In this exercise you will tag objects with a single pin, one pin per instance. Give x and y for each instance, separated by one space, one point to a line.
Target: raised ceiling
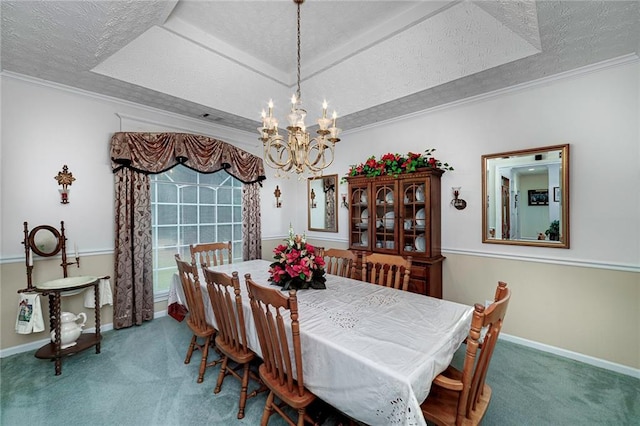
372 60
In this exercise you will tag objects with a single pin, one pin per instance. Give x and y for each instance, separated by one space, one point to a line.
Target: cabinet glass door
414 229
360 217
386 216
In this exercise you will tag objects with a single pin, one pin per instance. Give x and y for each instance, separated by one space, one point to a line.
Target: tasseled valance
158 152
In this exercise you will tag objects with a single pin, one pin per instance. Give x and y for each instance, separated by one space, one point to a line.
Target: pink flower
277 273
295 263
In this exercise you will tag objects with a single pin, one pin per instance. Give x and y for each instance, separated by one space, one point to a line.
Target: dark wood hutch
400 215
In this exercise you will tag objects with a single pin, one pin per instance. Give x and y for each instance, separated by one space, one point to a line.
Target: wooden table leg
97 313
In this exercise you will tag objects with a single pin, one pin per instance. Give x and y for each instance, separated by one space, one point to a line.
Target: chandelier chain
298 88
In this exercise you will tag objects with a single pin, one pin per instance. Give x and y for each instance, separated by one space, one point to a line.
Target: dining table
370 351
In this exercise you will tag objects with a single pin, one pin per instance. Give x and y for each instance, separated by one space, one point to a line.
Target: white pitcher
70 330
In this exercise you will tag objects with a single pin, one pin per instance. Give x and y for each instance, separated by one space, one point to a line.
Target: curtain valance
153 153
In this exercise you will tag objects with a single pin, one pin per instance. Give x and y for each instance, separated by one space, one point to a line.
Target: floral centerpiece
396 164
296 266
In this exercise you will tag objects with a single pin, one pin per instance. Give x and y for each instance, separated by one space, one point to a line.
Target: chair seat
199 331
441 406
237 356
281 391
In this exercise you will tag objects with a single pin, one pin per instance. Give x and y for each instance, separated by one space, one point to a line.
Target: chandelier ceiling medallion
298 152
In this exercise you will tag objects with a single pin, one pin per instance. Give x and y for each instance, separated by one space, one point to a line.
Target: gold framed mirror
526 195
322 201
45 240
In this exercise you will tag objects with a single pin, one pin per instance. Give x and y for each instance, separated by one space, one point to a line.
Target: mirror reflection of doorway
506 211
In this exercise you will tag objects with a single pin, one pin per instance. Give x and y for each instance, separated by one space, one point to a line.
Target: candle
293 103
30 257
75 249
335 115
270 108
324 109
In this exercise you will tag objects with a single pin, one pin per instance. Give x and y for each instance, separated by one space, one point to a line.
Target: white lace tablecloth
370 351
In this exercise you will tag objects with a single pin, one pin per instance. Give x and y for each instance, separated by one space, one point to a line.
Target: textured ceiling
372 60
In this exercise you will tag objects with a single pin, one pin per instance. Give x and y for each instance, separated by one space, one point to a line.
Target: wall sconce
458 203
313 199
65 179
278 194
344 201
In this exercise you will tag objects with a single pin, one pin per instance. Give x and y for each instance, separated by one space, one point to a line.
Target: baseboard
596 362
34 346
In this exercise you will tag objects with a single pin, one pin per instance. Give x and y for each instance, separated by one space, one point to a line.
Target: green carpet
140 379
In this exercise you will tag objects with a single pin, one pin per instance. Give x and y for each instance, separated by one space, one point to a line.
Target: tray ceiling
371 60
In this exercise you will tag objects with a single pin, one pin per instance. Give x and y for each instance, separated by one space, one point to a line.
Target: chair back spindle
387 270
340 262
211 254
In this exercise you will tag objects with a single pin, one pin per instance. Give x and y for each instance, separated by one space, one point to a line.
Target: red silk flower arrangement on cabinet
396 164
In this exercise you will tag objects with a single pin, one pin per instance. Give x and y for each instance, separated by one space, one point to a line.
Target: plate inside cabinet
364 216
420 219
389 219
389 197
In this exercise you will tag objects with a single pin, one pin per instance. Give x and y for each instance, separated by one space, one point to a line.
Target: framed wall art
538 197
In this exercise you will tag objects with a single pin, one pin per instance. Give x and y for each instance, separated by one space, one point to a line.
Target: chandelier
296 150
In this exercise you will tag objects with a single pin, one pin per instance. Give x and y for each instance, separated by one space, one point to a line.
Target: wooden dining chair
281 352
231 339
462 397
387 269
211 254
340 262
196 320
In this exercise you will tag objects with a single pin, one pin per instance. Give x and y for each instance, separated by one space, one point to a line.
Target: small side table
53 350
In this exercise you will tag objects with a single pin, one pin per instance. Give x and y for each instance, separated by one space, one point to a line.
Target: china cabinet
400 215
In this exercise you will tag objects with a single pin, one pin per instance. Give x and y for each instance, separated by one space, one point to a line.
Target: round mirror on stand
45 240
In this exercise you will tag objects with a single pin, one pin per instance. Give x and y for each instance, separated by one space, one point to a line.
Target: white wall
46 126
595 112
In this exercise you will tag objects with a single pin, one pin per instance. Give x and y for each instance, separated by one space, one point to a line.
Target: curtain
136 155
133 284
251 229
